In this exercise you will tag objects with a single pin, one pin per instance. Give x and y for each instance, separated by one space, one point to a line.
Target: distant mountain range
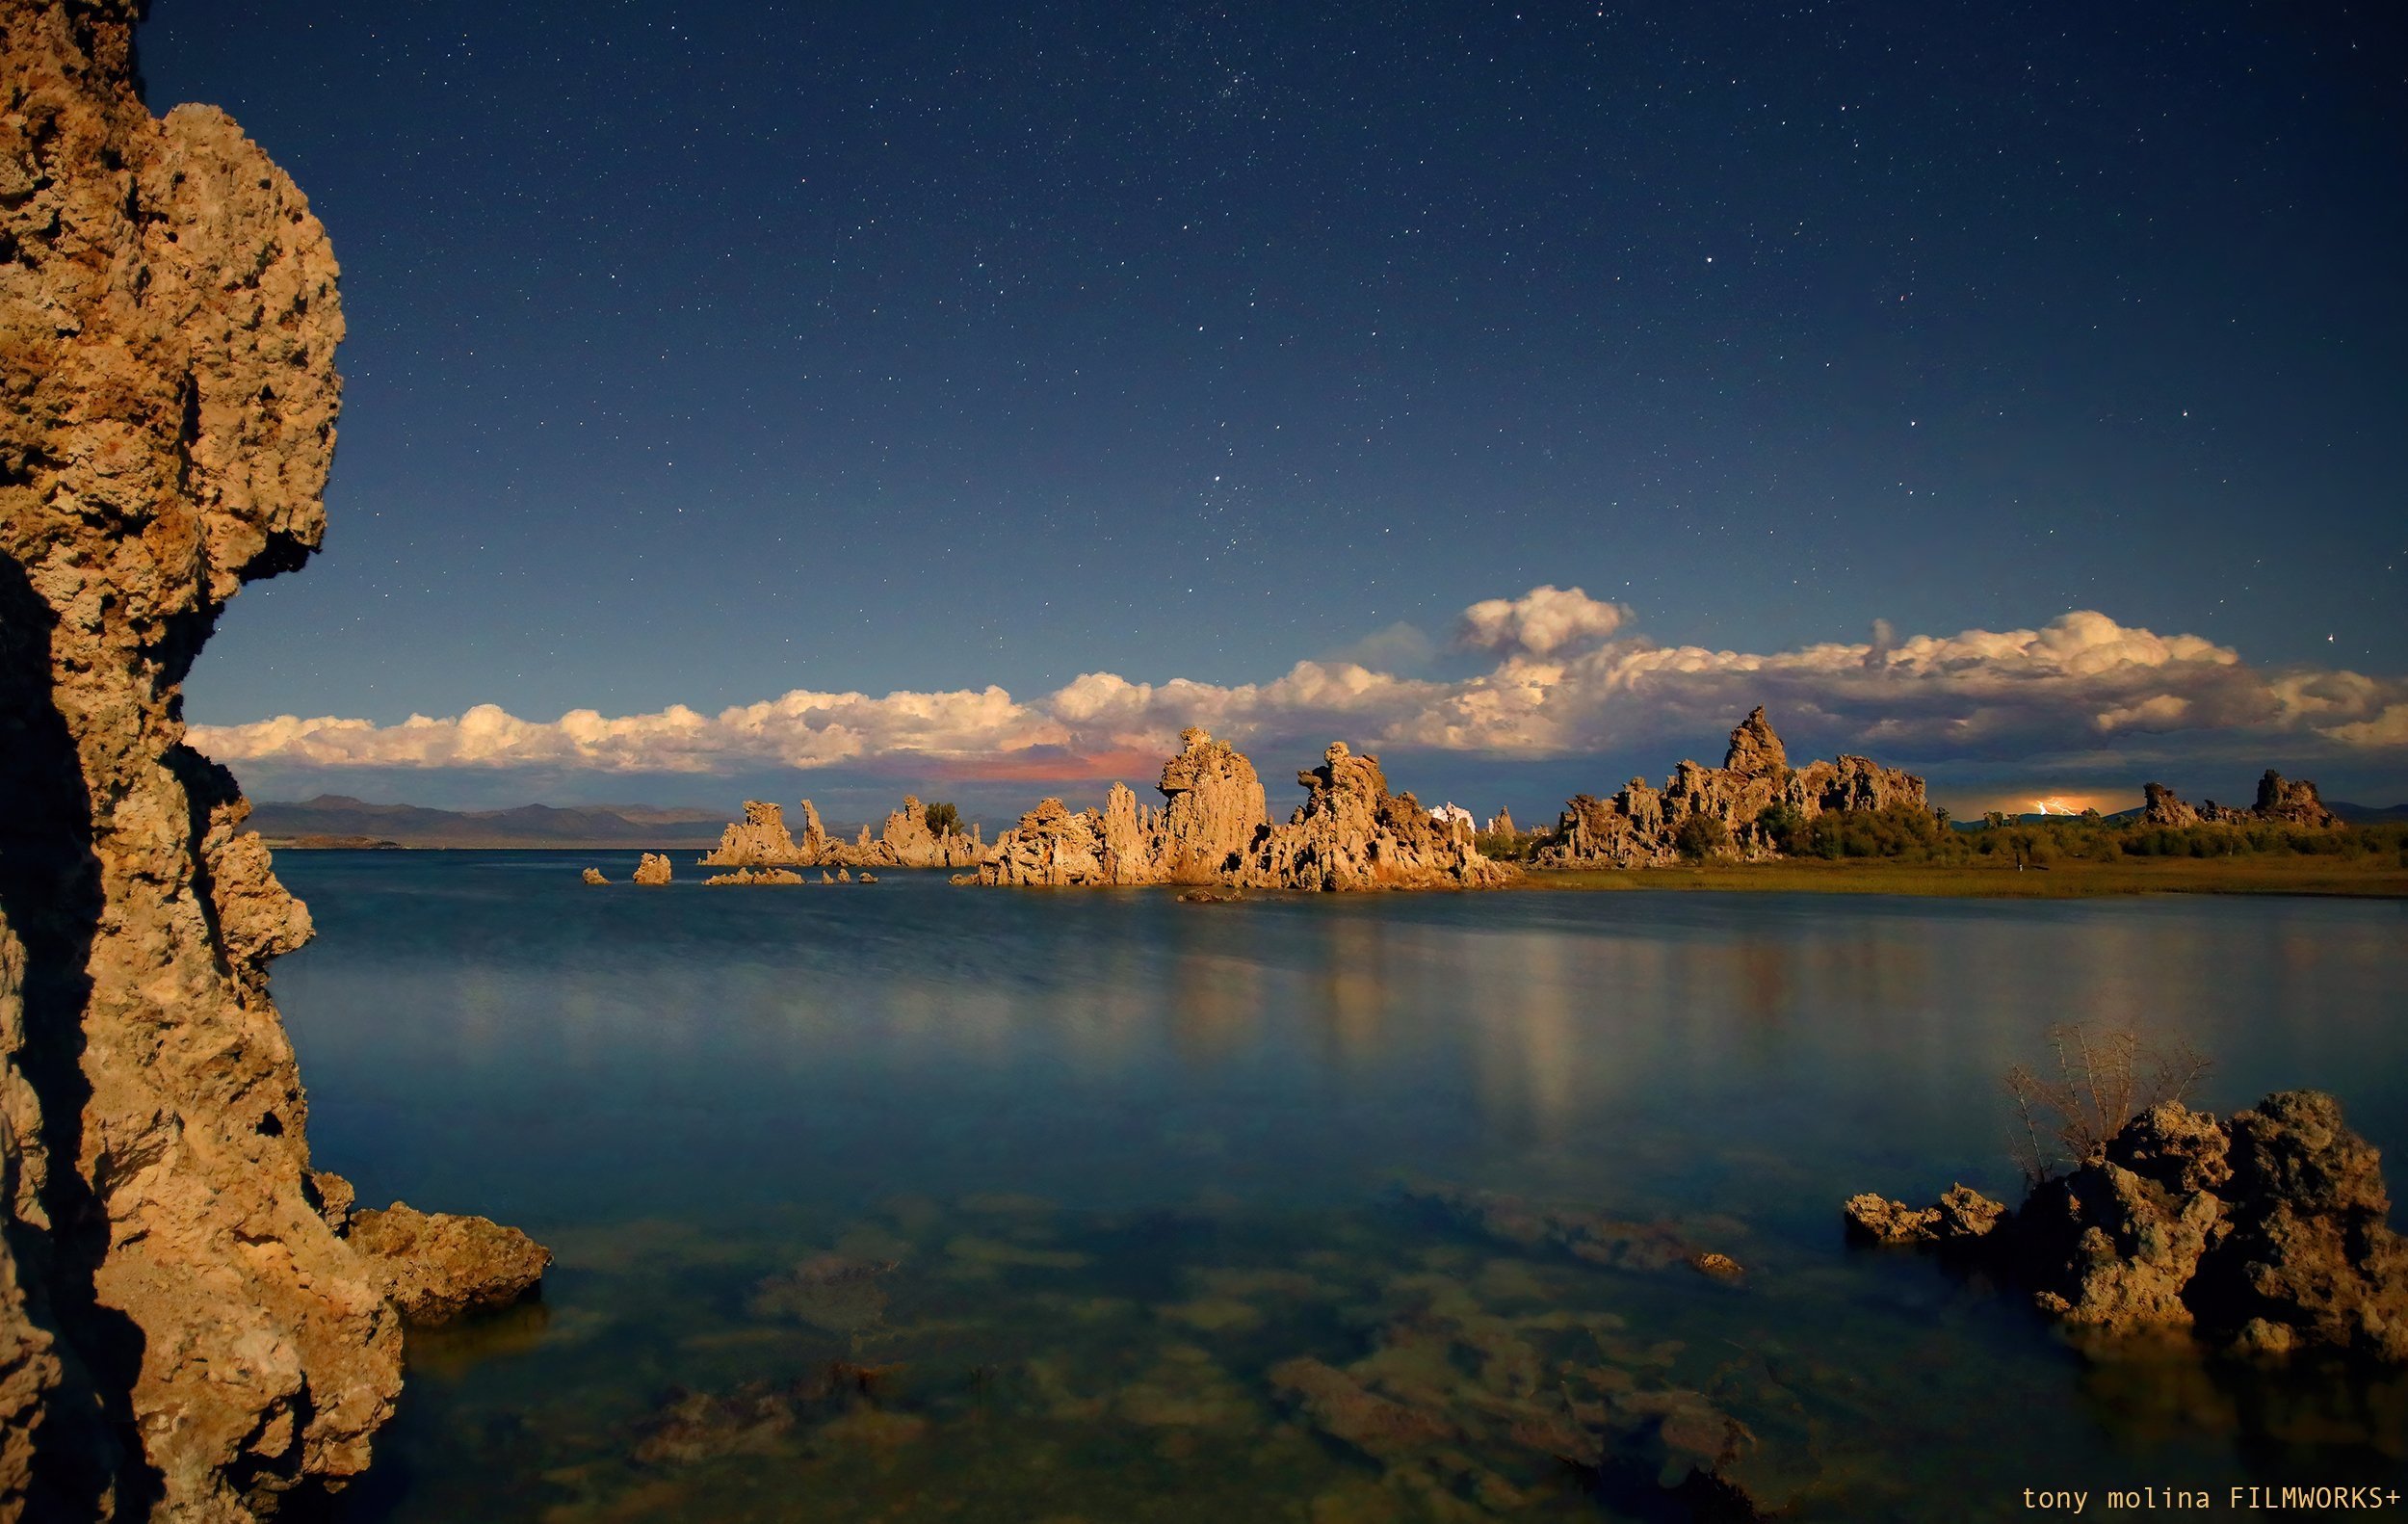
332 819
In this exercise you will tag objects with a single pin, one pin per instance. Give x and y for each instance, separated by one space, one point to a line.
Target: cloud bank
1563 674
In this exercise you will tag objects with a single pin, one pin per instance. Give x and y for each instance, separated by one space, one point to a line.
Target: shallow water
1130 1160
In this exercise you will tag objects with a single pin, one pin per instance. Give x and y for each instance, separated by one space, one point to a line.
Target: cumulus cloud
1568 677
1540 623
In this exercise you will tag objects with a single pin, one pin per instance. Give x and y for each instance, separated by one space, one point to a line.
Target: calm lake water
1130 1161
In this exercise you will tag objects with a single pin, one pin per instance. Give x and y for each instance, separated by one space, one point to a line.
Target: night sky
703 352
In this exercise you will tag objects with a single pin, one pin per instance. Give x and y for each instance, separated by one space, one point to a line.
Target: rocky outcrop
2164 807
1052 848
905 841
1501 824
182 1333
1352 833
761 840
594 876
434 1266
1212 810
2281 801
652 868
2265 1234
1639 826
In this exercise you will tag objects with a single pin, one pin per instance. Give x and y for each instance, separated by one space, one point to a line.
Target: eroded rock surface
2280 801
652 868
436 1266
1640 826
2267 1233
182 1333
1211 809
1352 833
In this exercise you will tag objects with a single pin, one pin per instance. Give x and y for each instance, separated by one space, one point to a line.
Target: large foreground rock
182 1333
2267 1234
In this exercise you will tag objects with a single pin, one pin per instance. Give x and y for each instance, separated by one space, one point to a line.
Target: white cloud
1563 683
1541 621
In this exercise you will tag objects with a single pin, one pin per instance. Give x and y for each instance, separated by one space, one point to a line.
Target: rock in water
1350 833
761 840
594 876
2268 1234
1213 805
652 868
181 1330
436 1266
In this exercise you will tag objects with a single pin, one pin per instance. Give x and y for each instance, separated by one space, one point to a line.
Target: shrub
1782 825
1701 836
2102 1080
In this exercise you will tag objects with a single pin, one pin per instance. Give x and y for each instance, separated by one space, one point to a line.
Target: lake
910 1201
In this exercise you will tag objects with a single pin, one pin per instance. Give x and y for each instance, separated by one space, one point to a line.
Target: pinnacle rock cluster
1639 826
2281 801
1214 829
183 1331
762 840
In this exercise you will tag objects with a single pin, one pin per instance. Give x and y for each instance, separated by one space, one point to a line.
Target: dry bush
2100 1080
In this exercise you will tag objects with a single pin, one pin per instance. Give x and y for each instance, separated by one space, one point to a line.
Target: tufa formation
2263 1235
2281 801
762 840
1639 826
183 1331
1213 828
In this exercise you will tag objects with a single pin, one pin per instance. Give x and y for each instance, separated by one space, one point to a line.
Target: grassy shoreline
2379 878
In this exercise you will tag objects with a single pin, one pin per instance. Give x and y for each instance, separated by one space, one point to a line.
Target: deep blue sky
702 351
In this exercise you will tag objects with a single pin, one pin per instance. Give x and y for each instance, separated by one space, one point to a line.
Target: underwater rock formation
2281 801
1352 833
2265 1234
181 1332
1640 826
652 868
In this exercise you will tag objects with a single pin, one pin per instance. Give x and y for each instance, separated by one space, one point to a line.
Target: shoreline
2065 879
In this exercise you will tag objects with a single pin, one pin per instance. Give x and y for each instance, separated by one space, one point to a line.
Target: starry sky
704 353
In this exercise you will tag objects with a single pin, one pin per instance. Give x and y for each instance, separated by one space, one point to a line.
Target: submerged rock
830 1292
754 876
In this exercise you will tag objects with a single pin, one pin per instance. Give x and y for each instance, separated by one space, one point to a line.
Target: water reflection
688 1093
